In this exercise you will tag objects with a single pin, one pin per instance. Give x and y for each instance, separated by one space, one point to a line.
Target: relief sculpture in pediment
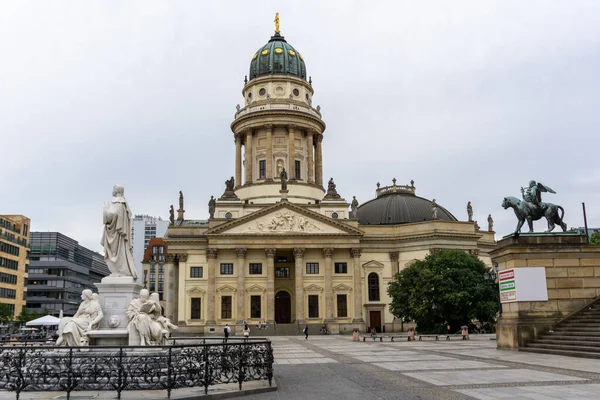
285 221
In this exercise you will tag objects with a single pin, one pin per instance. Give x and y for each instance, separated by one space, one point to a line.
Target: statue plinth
180 214
114 294
284 194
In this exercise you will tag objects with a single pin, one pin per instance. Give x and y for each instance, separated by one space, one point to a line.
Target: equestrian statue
531 208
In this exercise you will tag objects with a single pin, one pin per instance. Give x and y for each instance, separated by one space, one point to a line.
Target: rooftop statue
470 211
531 208
284 178
212 204
354 207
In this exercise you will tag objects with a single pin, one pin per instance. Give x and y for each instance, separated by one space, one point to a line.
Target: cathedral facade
282 246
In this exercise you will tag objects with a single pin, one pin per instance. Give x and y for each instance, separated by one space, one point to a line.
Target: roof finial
277 23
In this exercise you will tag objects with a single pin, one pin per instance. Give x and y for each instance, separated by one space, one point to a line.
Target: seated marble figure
146 320
73 331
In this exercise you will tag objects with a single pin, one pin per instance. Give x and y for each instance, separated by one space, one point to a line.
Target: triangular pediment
342 287
196 290
226 289
256 289
284 219
373 264
313 288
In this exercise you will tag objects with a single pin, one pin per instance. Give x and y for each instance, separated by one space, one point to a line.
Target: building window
342 306
312 268
335 215
153 268
154 249
228 215
282 272
161 277
373 282
161 250
161 268
161 287
161 258
297 168
152 277
227 269
255 307
262 169
195 308
313 306
255 269
152 286
196 272
341 268
226 307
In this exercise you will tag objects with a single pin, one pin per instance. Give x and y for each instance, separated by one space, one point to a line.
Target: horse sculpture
530 212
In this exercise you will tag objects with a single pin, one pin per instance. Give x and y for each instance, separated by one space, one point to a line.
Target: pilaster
291 153
248 157
269 163
319 161
238 160
310 148
394 257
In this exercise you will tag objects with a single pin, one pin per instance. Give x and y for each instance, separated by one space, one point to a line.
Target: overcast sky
471 99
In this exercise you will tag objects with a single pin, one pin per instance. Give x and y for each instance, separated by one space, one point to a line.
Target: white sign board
523 284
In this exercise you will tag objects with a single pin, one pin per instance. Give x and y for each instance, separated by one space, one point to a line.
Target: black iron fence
202 362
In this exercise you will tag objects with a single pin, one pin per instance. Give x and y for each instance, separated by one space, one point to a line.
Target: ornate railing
119 368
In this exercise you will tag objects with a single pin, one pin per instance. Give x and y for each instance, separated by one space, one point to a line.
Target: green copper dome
277 57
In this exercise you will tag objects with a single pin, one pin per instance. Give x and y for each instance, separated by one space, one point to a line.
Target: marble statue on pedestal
73 331
146 322
116 238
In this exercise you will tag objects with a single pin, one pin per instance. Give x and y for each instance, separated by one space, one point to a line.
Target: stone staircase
578 335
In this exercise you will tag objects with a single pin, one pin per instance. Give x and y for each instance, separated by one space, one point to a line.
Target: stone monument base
114 295
572 279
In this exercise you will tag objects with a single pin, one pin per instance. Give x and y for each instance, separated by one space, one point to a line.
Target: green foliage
27 316
595 238
5 314
447 287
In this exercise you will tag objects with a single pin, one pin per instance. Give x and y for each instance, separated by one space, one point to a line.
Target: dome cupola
277 57
398 204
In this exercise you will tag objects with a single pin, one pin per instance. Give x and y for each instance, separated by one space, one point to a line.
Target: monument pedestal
114 295
572 280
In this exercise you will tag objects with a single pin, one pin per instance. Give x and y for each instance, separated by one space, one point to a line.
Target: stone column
241 287
269 152
171 292
211 255
248 157
291 153
319 161
358 303
299 272
394 257
238 160
328 254
310 147
270 253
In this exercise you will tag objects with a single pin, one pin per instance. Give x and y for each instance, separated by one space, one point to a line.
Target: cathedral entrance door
375 320
283 308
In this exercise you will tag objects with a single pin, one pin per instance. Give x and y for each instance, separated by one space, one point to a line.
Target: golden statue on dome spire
277 23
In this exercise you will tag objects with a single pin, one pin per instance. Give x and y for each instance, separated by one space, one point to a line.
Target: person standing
305 331
226 331
246 331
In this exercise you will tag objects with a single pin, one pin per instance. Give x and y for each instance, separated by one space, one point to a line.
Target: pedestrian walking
226 331
464 330
305 331
246 331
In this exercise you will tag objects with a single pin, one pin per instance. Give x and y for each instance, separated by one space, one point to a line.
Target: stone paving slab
428 365
562 392
483 377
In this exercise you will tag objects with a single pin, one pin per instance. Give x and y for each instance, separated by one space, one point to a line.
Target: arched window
373 282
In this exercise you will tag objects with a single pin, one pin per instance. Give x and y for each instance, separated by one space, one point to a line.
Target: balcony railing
277 105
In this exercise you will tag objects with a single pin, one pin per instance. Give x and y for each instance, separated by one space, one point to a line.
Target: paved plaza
335 367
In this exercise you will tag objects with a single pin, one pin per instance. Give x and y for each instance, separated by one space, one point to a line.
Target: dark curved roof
277 57
399 208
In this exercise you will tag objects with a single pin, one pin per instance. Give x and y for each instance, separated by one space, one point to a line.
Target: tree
5 313
447 287
595 238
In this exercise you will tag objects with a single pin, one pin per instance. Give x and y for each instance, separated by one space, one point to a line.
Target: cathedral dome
277 57
399 205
